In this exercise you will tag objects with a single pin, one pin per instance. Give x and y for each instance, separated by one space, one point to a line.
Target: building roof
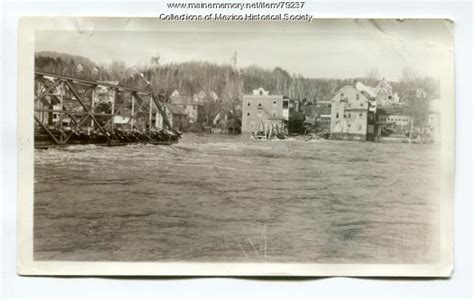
174 109
183 100
260 92
350 87
367 89
372 91
383 83
263 96
181 103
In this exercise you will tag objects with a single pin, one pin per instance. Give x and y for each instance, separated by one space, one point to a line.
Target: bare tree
409 75
410 84
117 70
373 74
372 77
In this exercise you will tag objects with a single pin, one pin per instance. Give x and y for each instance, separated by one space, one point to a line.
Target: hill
69 65
228 82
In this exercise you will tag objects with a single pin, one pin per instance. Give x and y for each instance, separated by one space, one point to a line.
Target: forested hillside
230 82
193 77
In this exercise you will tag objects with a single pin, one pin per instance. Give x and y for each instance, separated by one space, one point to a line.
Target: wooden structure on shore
75 111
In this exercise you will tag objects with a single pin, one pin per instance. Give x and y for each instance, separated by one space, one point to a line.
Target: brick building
261 109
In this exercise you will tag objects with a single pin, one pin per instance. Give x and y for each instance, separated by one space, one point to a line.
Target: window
360 127
260 105
349 125
357 96
362 105
349 115
274 102
248 114
342 94
259 113
360 115
337 115
274 114
248 104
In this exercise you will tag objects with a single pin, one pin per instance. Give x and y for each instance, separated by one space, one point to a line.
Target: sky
325 48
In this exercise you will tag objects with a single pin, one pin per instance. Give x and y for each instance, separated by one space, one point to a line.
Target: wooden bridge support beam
91 115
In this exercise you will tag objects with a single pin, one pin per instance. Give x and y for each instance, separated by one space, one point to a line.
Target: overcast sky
322 49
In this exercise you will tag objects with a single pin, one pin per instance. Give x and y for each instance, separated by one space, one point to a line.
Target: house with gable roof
193 109
352 115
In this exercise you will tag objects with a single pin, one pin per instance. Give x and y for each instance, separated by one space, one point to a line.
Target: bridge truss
75 111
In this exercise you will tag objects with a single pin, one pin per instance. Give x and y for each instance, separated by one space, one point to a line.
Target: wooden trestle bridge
75 111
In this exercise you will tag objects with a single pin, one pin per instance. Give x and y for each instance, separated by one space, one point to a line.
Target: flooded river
215 198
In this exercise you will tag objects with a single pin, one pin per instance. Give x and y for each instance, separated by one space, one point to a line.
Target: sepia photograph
322 148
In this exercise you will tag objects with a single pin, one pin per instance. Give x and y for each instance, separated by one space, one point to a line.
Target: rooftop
174 109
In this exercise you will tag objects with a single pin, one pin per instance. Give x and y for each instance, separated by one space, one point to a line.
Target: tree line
229 83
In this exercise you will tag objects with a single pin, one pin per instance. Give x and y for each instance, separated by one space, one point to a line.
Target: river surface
214 198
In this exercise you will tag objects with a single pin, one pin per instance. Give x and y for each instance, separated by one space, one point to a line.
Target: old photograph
236 148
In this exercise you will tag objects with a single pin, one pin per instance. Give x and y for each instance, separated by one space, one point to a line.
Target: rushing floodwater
224 198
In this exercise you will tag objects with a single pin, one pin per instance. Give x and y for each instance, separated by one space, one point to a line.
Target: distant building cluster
356 112
184 111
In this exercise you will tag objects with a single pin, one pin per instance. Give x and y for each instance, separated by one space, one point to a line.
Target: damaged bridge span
70 111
